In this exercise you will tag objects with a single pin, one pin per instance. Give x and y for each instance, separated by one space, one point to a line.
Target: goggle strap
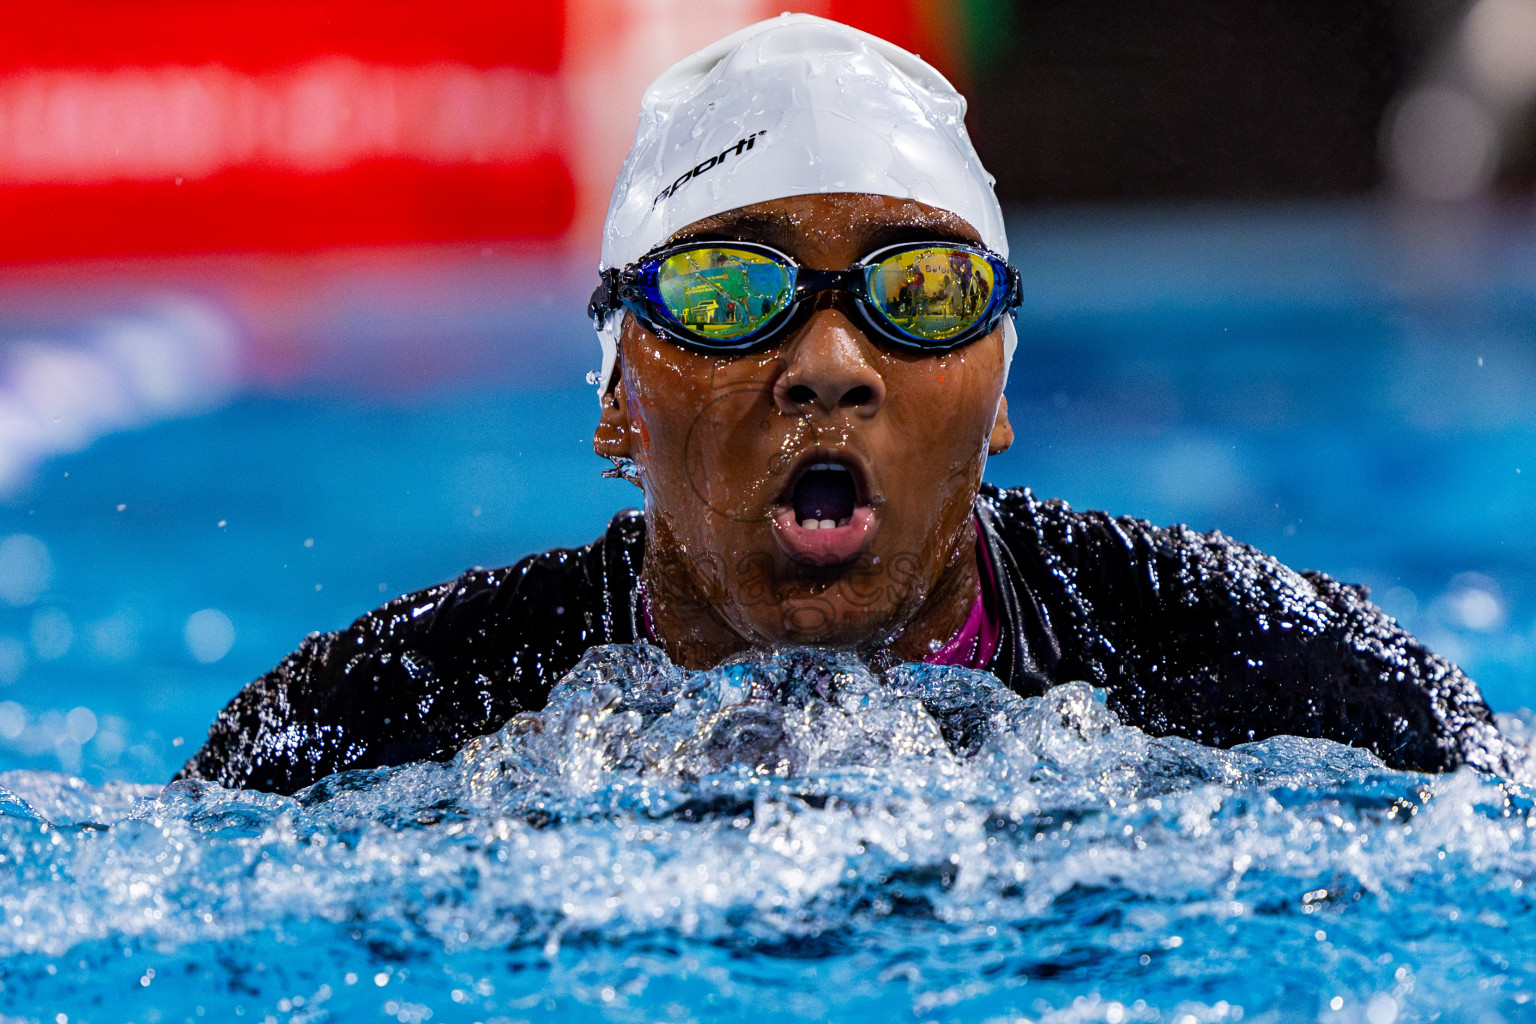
606 298
1015 296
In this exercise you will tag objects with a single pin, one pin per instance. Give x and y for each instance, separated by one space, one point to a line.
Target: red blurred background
171 127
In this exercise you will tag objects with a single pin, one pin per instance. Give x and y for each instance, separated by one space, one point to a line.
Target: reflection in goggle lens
932 293
723 293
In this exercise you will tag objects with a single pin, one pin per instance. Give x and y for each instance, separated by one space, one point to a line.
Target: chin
851 606
812 625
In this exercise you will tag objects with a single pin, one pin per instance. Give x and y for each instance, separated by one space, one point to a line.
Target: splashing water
786 834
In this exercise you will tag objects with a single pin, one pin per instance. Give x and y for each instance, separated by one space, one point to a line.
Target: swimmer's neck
696 635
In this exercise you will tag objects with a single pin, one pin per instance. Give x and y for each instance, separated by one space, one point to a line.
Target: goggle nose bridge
811 284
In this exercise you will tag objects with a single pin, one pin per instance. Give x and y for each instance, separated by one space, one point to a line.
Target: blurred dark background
1130 99
1078 101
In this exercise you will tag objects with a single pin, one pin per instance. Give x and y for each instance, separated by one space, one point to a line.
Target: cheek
945 409
705 431
643 438
659 392
970 383
733 454
941 416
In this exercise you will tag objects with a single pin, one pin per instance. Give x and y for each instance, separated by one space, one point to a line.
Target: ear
611 439
1002 431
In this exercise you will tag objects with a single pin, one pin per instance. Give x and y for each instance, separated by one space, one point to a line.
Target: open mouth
824 497
825 516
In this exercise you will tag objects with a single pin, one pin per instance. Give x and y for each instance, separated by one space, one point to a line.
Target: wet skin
720 441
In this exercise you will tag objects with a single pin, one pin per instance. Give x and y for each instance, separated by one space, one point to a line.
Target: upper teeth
829 465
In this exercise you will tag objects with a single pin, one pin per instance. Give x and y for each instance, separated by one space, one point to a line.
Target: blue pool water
1349 387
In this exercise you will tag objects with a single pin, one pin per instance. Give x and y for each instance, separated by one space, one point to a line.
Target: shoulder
1203 636
420 675
543 577
1019 510
491 641
1020 515
1094 543
1049 538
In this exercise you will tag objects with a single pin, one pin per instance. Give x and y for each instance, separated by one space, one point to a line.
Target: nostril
861 395
802 394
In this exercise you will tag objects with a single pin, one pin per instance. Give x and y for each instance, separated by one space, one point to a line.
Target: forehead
854 221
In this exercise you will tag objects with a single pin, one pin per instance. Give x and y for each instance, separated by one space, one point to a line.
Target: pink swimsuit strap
974 644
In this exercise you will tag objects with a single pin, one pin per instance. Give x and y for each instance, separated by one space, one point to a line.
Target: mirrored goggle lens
722 293
934 293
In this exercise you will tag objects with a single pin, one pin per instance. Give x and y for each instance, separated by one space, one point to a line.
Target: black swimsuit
1193 634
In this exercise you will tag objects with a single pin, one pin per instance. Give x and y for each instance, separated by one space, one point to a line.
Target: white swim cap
795 105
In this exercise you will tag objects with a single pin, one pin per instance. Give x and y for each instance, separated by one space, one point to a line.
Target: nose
827 368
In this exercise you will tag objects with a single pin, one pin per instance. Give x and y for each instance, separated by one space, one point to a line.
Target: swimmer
805 311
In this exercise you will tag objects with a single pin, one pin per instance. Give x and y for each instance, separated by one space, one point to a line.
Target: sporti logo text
741 147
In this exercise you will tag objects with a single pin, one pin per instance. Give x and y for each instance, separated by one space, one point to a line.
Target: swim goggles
737 296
